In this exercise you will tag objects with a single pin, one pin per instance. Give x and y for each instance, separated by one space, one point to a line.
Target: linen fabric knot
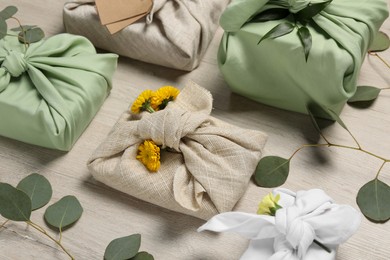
341 34
304 216
206 170
50 91
175 34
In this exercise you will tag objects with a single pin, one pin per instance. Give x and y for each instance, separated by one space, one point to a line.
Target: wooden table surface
109 214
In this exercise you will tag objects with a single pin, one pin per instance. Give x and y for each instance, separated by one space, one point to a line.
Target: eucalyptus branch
379 57
383 164
2 225
22 30
305 146
339 146
43 231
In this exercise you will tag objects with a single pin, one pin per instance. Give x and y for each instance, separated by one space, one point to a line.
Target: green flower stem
43 231
150 109
2 225
379 57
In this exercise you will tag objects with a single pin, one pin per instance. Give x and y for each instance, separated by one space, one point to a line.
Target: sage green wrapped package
275 71
50 92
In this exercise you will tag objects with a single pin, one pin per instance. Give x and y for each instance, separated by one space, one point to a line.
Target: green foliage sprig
373 198
301 19
32 193
365 95
27 33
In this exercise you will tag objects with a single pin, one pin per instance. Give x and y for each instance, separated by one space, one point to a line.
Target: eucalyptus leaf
14 204
271 15
277 31
272 171
143 256
337 119
64 212
314 120
306 40
32 35
123 248
38 188
310 11
381 42
23 27
365 93
8 12
3 28
373 200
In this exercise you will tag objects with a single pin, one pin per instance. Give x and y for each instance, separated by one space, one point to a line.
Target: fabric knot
296 234
14 63
169 126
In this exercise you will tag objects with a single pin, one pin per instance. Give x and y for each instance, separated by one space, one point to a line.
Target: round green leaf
31 35
306 41
64 212
8 12
272 171
278 31
381 42
14 204
374 200
38 188
365 93
123 248
143 256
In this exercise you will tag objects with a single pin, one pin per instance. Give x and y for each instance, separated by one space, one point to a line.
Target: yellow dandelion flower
269 205
149 155
146 101
164 95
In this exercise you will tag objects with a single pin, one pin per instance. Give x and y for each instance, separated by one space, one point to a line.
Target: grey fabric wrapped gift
175 33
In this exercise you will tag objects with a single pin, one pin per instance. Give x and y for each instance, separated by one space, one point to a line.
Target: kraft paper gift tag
118 14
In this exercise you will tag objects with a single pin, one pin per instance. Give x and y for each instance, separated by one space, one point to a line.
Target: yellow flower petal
149 155
164 95
144 102
268 203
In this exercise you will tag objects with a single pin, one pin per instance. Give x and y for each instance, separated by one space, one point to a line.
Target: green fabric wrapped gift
50 92
275 72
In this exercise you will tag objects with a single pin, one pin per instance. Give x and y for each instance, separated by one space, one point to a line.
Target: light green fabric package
275 71
50 92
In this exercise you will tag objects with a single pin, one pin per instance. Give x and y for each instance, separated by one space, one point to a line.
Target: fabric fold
53 89
305 216
206 168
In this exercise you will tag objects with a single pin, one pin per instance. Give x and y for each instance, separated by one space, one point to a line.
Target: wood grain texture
109 214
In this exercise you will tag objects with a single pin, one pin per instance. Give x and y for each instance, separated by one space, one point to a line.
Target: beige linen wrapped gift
206 169
176 33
